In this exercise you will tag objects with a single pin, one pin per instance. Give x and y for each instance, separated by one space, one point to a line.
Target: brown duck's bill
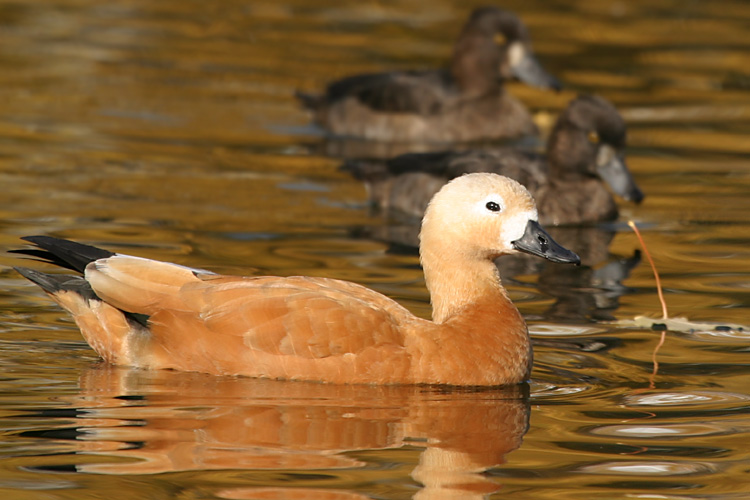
536 241
615 172
528 70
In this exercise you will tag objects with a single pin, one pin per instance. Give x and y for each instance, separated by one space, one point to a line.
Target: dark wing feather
398 92
438 164
55 283
63 253
529 169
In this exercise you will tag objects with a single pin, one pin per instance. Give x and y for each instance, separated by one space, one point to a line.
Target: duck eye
593 137
500 39
492 206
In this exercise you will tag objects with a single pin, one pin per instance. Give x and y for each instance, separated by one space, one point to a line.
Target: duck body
151 314
585 151
464 102
438 113
300 328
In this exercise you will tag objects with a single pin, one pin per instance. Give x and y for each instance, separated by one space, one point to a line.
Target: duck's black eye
492 206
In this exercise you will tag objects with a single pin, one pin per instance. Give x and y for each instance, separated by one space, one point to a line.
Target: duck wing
530 169
312 317
421 92
292 328
408 182
300 316
152 314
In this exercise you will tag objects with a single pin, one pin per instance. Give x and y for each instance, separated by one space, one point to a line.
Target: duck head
470 221
482 216
589 139
496 44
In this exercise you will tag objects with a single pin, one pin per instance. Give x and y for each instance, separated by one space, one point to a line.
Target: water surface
168 129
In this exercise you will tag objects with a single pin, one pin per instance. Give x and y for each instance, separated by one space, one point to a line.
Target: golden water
168 130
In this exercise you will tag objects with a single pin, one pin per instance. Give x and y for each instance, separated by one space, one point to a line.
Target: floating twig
673 324
665 315
653 268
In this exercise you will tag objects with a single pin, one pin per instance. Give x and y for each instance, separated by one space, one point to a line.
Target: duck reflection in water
464 102
192 422
585 159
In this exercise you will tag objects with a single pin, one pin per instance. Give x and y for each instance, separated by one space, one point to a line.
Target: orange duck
151 314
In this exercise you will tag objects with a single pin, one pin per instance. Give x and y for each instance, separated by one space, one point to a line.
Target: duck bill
612 169
525 67
536 241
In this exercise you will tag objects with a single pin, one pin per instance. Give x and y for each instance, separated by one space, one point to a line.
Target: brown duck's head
589 139
495 42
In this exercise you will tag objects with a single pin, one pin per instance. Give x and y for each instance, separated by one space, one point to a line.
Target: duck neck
475 63
567 153
456 281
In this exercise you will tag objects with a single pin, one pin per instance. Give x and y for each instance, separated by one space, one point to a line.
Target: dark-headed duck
464 102
584 151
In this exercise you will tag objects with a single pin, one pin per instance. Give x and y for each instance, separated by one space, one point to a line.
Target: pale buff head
478 214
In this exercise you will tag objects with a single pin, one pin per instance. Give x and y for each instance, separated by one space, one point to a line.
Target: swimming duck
463 102
584 151
151 314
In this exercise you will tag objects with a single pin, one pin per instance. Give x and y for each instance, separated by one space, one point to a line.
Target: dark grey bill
536 241
615 172
530 71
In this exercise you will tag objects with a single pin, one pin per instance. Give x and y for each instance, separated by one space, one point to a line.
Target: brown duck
464 102
585 151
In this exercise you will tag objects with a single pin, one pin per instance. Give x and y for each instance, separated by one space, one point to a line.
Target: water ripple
541 389
562 330
721 335
623 468
661 431
685 398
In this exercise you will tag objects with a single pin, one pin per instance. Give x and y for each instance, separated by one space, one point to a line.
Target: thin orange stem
653 268
652 384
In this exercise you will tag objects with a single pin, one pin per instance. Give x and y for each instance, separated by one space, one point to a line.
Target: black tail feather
53 283
43 256
63 253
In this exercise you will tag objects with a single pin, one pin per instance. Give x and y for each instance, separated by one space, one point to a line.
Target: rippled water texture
169 129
